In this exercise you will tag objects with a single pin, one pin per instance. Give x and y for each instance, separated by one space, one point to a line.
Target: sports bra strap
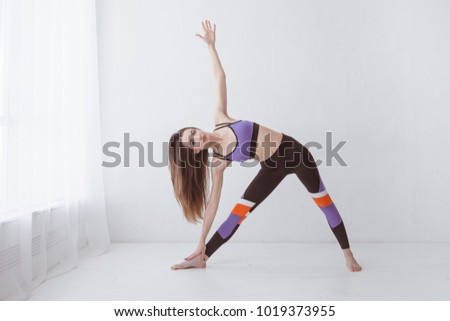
219 156
221 126
222 123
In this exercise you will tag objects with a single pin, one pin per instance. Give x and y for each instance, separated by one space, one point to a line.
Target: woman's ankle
347 252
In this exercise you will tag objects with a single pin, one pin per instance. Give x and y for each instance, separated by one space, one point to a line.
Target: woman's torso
267 140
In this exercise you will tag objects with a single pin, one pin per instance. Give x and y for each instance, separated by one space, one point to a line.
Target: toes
353 267
356 268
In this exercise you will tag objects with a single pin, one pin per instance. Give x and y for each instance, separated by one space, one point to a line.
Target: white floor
255 271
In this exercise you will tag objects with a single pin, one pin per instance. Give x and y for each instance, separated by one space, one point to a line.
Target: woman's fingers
208 30
207 26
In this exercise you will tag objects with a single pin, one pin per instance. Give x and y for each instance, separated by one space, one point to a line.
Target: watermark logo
290 152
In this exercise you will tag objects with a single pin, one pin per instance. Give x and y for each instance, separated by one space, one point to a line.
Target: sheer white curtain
52 209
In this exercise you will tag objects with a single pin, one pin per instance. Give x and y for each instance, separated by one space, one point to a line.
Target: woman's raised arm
219 74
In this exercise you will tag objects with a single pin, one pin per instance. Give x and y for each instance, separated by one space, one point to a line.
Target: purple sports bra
246 133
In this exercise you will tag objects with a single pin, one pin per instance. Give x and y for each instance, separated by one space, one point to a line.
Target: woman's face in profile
194 138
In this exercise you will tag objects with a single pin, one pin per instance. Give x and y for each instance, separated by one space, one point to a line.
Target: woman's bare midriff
268 142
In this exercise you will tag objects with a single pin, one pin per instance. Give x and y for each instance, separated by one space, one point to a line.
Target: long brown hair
190 177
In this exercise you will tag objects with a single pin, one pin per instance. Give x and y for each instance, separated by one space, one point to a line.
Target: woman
278 154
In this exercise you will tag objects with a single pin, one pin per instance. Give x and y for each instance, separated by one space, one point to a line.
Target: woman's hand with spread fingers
210 33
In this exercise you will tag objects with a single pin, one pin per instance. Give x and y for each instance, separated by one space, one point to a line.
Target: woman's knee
310 178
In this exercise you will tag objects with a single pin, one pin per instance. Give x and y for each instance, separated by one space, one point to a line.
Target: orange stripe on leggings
240 209
323 201
243 218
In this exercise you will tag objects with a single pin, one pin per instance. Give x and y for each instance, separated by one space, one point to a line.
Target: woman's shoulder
223 118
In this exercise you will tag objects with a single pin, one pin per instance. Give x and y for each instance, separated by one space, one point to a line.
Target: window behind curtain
43 150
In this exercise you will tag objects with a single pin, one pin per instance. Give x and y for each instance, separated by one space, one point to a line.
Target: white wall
375 73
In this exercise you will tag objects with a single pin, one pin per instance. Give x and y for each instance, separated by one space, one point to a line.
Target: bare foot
196 262
351 263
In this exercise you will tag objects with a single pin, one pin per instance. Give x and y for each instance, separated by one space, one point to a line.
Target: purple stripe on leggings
321 186
332 214
228 226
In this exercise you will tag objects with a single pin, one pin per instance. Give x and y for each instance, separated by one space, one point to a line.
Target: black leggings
291 157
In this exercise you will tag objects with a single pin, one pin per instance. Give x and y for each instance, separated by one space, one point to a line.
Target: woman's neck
214 140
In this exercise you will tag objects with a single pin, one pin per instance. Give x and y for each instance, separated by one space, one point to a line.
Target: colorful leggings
291 157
